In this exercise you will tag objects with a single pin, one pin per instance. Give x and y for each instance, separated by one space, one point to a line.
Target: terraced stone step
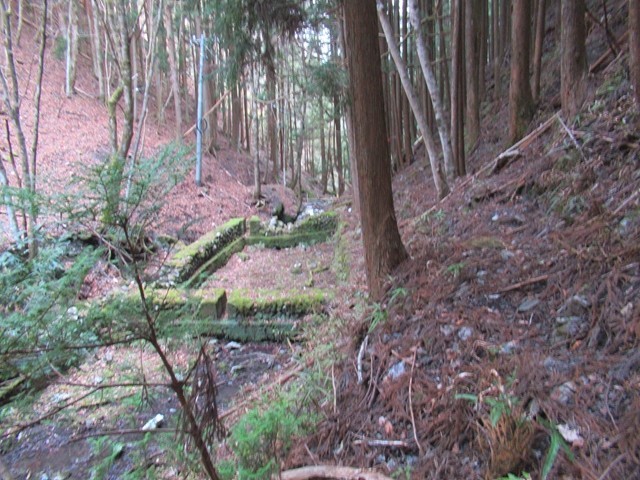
242 315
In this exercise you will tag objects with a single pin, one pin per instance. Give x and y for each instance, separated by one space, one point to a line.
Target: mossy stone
186 261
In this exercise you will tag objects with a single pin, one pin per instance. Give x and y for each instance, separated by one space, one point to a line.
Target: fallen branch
518 146
375 442
216 105
413 418
595 66
330 471
571 136
531 281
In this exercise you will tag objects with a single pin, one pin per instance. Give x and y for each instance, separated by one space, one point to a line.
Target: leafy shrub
41 328
263 437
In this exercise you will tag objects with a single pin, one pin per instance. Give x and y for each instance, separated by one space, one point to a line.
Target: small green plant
264 435
380 314
511 476
113 452
455 269
402 473
378 317
556 443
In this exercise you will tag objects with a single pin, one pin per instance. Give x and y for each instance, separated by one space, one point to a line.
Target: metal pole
199 116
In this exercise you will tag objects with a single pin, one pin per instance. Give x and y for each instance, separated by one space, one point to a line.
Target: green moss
289 240
212 305
257 331
255 226
340 264
326 221
189 259
216 262
266 304
312 230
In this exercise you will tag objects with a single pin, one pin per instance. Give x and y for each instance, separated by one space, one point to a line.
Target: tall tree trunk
520 101
323 151
472 21
338 133
497 48
425 63
457 87
573 64
634 47
93 21
439 177
383 246
272 122
72 49
173 68
236 118
537 52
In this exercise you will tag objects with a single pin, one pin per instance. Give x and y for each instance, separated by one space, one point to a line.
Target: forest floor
510 332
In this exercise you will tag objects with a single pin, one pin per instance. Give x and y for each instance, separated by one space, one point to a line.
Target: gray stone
447 330
569 326
465 333
509 347
154 423
506 254
564 393
396 371
528 304
233 346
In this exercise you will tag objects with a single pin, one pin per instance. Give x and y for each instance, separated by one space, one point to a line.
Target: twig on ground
531 281
333 385
627 201
571 136
611 465
413 418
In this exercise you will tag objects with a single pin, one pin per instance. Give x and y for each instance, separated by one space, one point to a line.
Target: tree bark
98 58
457 87
497 48
436 167
634 47
425 63
173 67
537 52
383 246
72 49
573 64
520 101
472 19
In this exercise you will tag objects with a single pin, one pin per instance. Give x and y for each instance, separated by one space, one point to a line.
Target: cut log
330 471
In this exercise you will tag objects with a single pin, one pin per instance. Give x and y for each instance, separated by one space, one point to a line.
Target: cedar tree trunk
381 239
